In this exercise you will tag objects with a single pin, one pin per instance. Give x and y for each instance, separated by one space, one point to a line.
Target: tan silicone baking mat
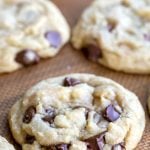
67 61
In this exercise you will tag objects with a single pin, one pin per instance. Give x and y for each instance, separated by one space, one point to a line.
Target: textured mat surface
67 61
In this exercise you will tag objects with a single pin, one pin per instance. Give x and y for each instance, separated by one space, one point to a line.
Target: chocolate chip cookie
77 112
116 34
29 31
4 145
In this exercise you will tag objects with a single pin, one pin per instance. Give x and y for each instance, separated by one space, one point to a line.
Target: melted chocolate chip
92 52
119 146
49 116
30 139
29 114
27 57
97 142
54 38
111 114
71 81
101 141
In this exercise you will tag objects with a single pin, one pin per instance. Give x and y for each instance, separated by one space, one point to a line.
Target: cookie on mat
4 145
77 112
29 30
116 33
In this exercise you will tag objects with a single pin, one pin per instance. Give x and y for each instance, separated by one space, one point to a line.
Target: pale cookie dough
4 145
77 112
116 33
30 30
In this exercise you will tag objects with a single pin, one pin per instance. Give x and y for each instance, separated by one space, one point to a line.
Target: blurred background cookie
29 31
116 34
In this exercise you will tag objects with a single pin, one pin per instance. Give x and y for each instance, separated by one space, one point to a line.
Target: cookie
30 31
116 34
77 112
4 145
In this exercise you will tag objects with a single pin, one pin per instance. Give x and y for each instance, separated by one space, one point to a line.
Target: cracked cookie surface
77 112
4 145
30 30
116 34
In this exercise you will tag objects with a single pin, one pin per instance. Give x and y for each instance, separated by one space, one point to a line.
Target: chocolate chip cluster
27 57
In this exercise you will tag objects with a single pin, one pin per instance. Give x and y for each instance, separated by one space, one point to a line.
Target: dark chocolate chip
92 52
54 38
97 142
101 141
119 146
30 139
29 114
71 81
112 24
147 37
27 57
111 27
49 116
111 114
86 115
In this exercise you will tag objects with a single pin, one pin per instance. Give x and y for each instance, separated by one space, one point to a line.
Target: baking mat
13 85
